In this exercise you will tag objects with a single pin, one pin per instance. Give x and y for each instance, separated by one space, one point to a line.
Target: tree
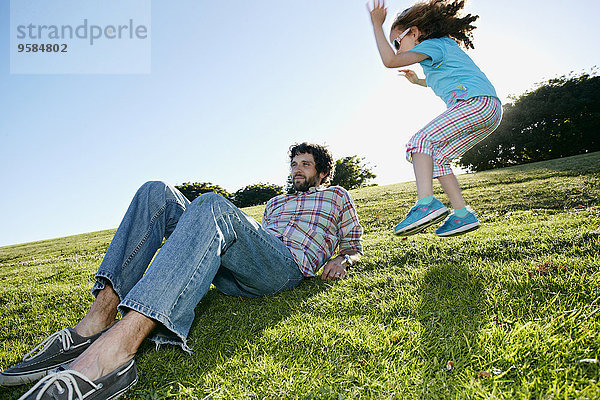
193 190
259 193
351 173
559 118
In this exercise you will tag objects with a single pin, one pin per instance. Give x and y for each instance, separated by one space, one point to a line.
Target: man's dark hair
323 159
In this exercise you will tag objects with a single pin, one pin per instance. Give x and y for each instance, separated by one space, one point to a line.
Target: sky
224 88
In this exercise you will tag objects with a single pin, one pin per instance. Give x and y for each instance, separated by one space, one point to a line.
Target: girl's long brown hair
439 18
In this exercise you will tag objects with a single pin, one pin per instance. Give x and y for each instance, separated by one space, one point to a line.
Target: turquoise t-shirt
451 73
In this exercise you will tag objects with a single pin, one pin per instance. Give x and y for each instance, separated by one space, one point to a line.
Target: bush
193 190
253 195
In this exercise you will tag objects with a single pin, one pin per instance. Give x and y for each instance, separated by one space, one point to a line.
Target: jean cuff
102 280
169 335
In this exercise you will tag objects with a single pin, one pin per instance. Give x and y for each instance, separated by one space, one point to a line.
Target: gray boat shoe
67 384
61 347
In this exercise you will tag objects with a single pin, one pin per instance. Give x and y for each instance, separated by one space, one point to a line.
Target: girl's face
407 42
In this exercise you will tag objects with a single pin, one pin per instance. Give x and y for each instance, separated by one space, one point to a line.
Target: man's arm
350 235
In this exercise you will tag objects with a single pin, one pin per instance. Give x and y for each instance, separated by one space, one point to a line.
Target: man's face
304 172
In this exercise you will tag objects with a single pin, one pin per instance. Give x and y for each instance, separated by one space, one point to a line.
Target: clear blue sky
232 85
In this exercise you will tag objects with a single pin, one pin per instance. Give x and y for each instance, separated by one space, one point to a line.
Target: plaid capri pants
455 131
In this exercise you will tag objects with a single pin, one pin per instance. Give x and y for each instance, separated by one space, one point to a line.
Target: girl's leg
423 168
455 131
428 209
431 149
452 188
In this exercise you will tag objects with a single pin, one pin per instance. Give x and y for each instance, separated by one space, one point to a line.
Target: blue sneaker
455 225
420 217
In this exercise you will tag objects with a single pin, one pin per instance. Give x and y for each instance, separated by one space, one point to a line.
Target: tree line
350 172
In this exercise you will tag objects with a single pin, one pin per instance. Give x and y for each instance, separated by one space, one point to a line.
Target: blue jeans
208 241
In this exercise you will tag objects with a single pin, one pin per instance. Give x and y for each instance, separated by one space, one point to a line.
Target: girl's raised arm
390 58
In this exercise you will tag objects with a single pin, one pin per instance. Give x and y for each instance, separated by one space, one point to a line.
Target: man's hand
334 269
378 12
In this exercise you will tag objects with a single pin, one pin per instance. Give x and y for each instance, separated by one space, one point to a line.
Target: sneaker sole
17 380
461 230
423 223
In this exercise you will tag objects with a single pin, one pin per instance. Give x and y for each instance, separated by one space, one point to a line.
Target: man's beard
306 184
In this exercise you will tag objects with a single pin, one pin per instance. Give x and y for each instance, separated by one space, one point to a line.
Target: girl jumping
429 33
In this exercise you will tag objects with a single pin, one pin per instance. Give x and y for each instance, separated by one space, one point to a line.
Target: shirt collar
312 189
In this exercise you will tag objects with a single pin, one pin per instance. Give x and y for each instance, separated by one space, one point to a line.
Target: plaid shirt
312 224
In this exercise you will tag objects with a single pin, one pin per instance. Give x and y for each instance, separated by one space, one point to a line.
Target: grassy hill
509 311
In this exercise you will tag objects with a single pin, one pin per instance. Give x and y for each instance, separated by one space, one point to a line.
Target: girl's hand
412 77
378 12
390 58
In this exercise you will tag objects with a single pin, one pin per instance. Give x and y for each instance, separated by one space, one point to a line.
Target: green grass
390 330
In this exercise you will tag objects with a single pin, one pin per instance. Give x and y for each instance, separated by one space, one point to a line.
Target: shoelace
67 378
64 336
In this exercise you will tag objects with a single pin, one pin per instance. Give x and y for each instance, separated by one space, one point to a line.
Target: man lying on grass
209 241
